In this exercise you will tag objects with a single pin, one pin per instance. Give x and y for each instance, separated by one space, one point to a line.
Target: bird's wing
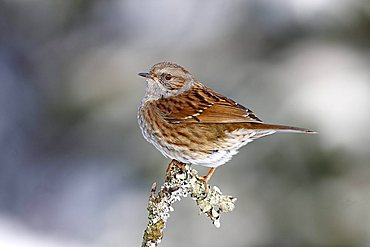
203 105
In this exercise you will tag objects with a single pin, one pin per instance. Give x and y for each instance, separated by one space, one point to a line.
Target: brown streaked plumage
189 122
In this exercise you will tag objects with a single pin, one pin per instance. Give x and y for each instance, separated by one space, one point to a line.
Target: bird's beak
146 75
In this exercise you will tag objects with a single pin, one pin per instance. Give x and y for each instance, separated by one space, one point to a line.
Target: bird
190 123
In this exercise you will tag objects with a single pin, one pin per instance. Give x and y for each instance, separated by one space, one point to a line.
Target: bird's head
166 80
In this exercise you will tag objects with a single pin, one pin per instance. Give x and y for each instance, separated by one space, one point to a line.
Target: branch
182 183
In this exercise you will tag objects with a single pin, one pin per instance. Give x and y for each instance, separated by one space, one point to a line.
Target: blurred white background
76 171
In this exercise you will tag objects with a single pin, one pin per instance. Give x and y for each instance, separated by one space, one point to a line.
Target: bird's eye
167 77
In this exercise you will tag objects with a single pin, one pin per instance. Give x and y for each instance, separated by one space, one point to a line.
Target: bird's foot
206 178
176 163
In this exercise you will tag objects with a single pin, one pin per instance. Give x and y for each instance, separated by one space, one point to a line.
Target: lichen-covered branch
182 182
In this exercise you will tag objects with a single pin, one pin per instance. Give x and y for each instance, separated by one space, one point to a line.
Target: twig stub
182 182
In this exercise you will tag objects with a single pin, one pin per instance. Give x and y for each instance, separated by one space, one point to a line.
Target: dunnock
192 124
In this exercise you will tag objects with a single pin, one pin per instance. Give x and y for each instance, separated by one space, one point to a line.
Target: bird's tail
280 128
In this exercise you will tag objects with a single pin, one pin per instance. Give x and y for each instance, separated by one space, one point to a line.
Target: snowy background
76 171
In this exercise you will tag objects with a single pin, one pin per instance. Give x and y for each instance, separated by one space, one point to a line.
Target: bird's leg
207 177
176 163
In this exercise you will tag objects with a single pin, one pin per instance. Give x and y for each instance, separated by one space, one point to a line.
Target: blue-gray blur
76 171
